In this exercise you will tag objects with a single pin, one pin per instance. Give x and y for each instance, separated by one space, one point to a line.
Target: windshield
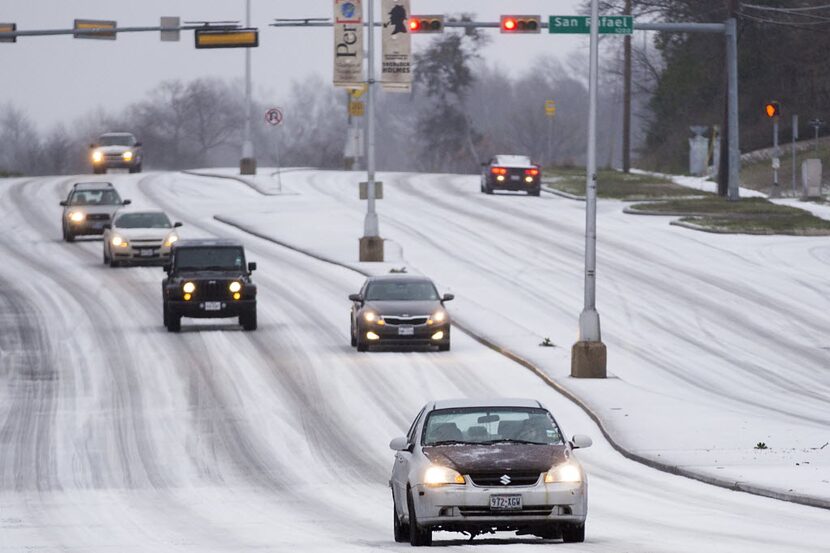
117 140
210 258
414 290
95 197
143 220
491 425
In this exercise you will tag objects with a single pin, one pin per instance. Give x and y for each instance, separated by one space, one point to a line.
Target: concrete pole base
247 166
588 360
371 248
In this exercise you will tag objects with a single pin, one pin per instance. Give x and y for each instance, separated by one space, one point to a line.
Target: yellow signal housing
227 38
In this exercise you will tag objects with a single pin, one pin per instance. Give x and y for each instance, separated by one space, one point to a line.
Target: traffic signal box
426 23
521 24
227 38
772 109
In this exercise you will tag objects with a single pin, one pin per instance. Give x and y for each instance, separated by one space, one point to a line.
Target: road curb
516 358
247 182
555 192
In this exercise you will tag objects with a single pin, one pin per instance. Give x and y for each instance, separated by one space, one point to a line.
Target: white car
139 237
480 466
116 150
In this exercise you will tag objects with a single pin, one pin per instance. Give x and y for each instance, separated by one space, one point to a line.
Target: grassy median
747 216
616 185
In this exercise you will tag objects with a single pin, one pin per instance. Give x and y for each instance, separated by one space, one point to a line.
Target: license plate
505 503
406 331
146 253
514 177
213 305
97 226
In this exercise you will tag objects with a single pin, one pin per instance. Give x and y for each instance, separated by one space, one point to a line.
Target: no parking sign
274 116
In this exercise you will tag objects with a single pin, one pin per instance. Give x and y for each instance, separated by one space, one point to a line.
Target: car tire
174 321
138 168
534 192
444 347
573 533
361 345
351 333
487 189
165 317
418 536
400 529
248 320
114 263
106 259
67 235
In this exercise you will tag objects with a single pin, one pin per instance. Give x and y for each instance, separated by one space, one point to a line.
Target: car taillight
498 171
532 172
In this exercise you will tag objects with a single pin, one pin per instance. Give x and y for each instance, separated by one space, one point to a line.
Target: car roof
398 277
206 243
514 160
117 134
484 402
91 185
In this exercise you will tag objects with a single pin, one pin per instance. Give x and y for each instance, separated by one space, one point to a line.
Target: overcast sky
60 78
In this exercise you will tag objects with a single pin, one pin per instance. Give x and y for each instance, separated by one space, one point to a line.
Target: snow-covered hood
406 308
114 149
143 233
109 209
468 459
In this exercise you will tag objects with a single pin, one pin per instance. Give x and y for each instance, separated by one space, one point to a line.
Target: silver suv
116 150
89 208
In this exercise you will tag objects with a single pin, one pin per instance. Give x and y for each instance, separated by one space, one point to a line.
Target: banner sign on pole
396 73
348 43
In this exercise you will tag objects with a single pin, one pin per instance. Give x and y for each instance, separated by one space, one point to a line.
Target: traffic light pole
247 165
371 244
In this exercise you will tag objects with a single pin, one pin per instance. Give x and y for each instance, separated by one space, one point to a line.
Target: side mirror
356 298
177 224
400 444
127 202
581 441
448 297
138 144
64 203
91 146
166 268
484 164
251 266
108 226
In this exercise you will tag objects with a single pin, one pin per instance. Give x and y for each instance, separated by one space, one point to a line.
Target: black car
208 279
516 173
399 310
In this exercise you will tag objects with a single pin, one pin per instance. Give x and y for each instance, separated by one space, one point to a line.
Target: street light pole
247 165
588 355
371 244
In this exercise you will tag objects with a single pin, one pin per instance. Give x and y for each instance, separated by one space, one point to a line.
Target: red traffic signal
426 24
772 109
521 24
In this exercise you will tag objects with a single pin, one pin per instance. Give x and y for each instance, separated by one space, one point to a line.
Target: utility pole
247 166
626 139
588 355
723 169
371 244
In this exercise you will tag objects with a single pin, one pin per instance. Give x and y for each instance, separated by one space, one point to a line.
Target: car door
400 470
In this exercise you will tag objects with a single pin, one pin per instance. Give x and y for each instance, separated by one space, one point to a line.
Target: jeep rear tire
248 320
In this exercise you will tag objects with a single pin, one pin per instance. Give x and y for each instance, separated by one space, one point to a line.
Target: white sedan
481 466
135 237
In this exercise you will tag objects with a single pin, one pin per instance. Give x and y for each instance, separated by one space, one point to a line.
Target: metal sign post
776 158
371 244
274 117
550 112
795 138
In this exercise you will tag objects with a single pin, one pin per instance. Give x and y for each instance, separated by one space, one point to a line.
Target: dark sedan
516 173
399 310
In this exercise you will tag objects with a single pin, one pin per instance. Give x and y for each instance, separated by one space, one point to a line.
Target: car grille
97 217
212 290
146 243
527 511
497 479
405 320
113 157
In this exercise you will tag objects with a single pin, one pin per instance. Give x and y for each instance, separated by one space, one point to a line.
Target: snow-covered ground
117 436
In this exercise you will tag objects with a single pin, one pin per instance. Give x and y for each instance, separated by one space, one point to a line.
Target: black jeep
208 279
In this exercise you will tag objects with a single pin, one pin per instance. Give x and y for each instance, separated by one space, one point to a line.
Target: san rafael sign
581 24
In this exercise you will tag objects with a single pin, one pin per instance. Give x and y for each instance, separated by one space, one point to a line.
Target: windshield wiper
511 441
217 268
449 442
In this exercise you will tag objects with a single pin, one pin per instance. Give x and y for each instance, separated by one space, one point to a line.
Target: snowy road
117 436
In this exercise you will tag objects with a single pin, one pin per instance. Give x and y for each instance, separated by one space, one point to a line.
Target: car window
491 425
94 197
143 220
117 140
521 161
417 290
410 436
219 258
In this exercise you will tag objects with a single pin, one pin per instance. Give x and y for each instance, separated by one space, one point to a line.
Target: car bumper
458 508
197 309
514 185
86 227
116 163
422 335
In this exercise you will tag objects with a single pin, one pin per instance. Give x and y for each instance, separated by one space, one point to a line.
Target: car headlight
77 216
439 317
438 475
97 156
170 239
189 288
128 155
370 316
567 472
235 286
118 241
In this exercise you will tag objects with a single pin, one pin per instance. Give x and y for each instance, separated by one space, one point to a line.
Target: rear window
514 161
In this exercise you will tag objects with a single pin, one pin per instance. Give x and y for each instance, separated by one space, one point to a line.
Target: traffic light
521 24
8 28
426 23
772 109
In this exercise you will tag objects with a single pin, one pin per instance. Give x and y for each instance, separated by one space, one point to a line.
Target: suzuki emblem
505 480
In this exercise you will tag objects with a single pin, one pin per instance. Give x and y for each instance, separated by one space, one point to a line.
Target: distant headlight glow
370 316
189 287
438 475
97 156
170 239
567 472
128 155
117 241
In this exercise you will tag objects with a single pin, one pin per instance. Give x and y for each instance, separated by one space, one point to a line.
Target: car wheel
418 536
164 314
138 168
487 189
174 321
534 192
351 333
106 259
401 530
114 263
248 320
67 235
444 347
573 533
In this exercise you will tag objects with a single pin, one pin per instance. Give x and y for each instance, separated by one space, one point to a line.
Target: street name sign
581 24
